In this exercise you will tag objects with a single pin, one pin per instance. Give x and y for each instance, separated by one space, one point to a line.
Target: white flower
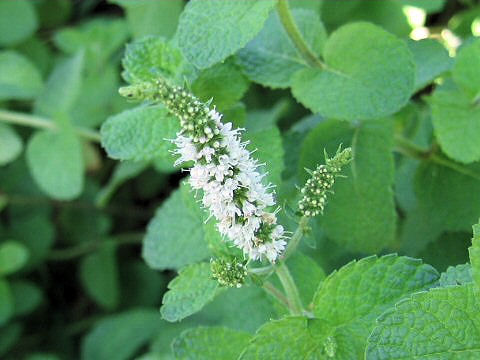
232 186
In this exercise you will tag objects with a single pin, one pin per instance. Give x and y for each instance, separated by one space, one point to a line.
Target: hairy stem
296 237
272 290
291 28
408 148
42 123
293 298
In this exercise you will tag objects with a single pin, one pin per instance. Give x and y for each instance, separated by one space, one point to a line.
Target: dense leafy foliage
105 248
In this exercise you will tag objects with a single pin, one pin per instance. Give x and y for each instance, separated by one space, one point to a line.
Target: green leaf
94 102
466 71
267 144
210 343
431 6
18 21
189 292
209 31
291 338
271 58
150 57
13 256
36 232
140 134
251 300
450 248
6 302
457 123
351 298
120 336
218 244
9 335
449 198
98 38
147 17
27 296
474 252
360 215
99 276
56 162
431 59
176 226
223 82
123 172
369 74
440 324
19 78
456 275
11 145
62 88
141 286
38 52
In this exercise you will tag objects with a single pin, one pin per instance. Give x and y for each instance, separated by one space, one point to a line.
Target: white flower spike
232 186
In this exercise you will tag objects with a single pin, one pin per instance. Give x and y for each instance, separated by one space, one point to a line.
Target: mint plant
254 179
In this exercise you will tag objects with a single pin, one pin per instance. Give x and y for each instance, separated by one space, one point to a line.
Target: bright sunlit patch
415 16
476 27
419 33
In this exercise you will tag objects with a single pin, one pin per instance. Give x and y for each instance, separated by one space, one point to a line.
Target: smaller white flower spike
319 185
232 186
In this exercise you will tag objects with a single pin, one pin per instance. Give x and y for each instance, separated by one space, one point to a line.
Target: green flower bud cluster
231 272
198 121
314 193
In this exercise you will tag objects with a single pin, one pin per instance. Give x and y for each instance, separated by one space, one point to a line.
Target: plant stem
90 246
39 122
291 291
291 28
408 148
296 237
272 290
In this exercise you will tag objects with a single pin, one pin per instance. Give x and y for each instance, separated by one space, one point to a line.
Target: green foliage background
97 227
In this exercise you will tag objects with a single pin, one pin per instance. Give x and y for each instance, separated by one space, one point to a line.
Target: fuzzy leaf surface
175 235
223 82
456 275
189 292
13 256
351 298
62 87
437 185
19 78
369 74
271 58
211 30
474 252
457 124
18 21
431 59
99 276
119 336
140 134
210 343
150 57
466 71
439 324
361 214
290 338
11 144
56 162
